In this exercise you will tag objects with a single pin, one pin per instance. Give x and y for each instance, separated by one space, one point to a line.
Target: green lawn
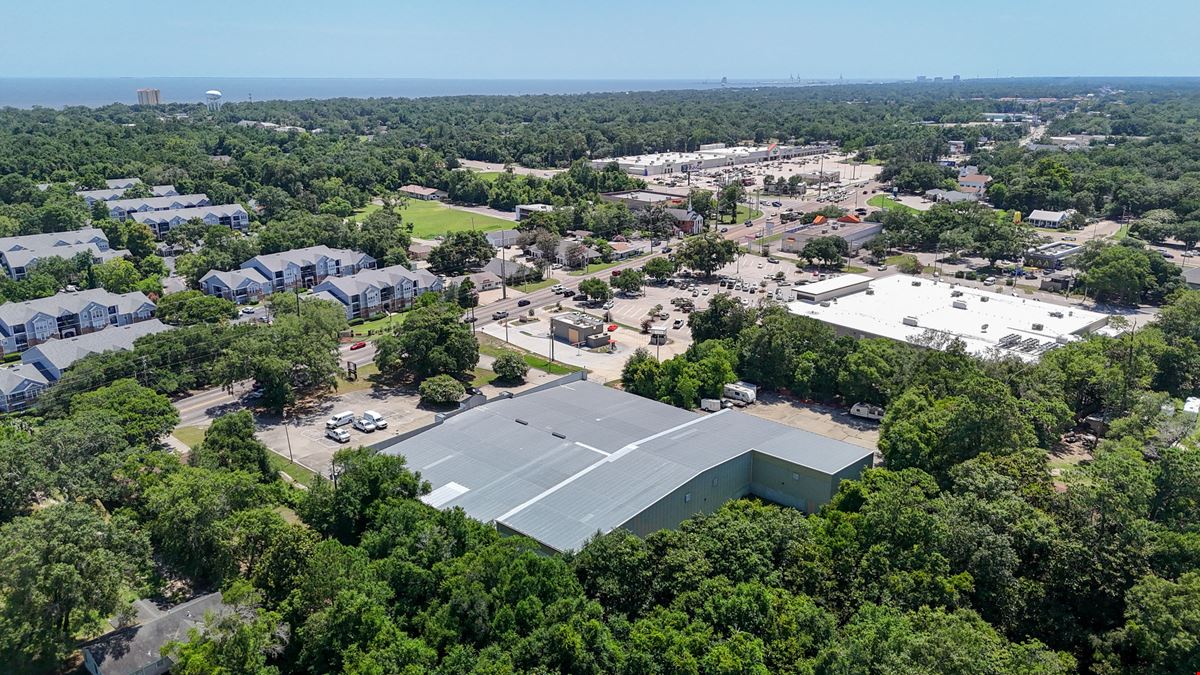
361 214
600 267
885 202
299 473
482 376
1121 232
379 325
532 360
431 218
535 286
489 176
189 436
362 383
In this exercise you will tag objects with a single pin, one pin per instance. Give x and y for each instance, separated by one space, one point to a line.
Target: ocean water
59 92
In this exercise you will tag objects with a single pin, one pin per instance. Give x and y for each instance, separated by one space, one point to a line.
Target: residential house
688 222
19 384
372 291
137 650
230 215
423 193
122 209
18 254
977 181
503 238
511 270
52 357
1040 218
562 257
25 324
240 285
93 196
307 267
957 147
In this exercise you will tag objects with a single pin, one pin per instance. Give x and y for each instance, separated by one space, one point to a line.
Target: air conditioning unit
1038 326
825 304
870 291
983 298
910 321
916 283
960 304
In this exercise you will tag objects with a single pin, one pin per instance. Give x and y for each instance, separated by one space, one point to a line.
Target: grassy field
535 286
489 176
380 325
1121 232
885 202
431 219
299 473
482 376
189 436
362 383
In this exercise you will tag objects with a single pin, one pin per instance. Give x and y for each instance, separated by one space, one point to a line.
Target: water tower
213 99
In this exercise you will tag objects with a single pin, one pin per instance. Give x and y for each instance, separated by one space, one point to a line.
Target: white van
990 281
339 420
375 418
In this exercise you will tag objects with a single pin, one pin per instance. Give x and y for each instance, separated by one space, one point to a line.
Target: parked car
608 305
358 345
365 425
773 260
777 203
375 418
247 310
678 324
339 419
522 303
568 293
496 316
339 435
724 230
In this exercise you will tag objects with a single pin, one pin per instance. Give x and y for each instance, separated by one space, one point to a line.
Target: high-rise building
148 96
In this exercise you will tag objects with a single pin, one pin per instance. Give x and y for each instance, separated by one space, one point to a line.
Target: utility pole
503 269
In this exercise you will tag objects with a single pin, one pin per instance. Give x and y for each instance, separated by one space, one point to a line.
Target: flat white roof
984 320
833 284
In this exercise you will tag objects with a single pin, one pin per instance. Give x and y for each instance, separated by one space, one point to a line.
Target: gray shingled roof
238 278
305 256
13 377
111 194
218 210
122 183
184 201
615 454
63 352
131 649
14 313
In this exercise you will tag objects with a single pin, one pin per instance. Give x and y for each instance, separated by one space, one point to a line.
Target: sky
596 39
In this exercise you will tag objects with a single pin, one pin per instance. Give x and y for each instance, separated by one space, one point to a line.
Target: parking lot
829 421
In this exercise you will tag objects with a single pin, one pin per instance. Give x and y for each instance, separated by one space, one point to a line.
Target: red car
357 345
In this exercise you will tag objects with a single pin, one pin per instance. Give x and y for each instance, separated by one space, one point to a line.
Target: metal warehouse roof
566 462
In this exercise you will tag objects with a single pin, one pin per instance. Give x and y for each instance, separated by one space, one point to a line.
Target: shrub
510 367
958 274
357 321
442 389
908 264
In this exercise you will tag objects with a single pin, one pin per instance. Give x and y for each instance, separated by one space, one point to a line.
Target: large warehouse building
931 313
707 157
566 461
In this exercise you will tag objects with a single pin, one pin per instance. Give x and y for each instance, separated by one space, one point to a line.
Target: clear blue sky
598 39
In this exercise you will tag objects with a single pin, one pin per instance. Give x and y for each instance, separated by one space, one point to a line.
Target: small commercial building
855 234
951 196
709 156
577 328
422 193
523 211
1040 218
977 181
1053 255
644 200
932 313
573 459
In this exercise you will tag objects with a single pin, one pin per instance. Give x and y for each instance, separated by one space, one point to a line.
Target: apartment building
113 194
240 286
25 324
232 216
122 209
19 254
53 357
372 291
307 267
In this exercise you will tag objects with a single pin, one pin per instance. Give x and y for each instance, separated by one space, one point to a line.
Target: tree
629 282
702 202
706 253
461 251
659 268
1117 273
1163 623
187 308
510 367
117 276
229 444
908 264
724 318
596 289
144 415
441 390
364 478
432 341
730 196
237 641
56 582
828 251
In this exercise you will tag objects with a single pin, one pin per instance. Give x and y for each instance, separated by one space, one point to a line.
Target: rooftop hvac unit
1057 315
1038 327
983 328
870 291
825 303
916 283
955 294
960 304
910 321
983 298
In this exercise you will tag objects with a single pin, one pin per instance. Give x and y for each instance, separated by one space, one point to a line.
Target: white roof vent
910 321
960 304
